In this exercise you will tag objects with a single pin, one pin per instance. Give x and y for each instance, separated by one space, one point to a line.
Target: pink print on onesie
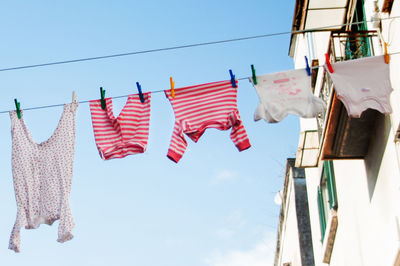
286 92
285 86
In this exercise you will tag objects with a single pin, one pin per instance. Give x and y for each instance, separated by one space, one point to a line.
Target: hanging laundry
125 135
199 107
42 176
286 93
363 83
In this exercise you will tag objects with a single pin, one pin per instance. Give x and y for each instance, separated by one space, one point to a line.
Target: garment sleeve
238 133
178 143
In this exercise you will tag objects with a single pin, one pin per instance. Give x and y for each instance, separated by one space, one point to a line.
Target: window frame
326 196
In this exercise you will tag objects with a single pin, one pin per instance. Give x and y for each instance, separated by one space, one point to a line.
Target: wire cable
186 46
125 96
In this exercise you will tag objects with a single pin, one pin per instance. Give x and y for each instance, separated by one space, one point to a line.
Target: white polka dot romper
42 176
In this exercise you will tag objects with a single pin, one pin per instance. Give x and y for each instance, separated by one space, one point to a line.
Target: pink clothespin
328 63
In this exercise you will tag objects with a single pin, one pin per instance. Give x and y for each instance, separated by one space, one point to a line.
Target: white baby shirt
286 92
363 83
42 176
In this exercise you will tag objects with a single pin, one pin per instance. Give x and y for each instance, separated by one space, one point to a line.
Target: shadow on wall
377 146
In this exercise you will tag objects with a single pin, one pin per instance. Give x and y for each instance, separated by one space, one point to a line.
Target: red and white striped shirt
196 108
125 135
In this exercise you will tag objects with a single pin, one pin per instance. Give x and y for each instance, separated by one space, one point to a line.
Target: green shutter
358 46
330 184
321 210
359 16
364 45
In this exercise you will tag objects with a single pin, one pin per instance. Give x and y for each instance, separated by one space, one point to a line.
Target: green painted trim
321 209
330 184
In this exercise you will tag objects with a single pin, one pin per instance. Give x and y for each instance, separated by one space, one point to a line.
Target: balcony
342 137
348 45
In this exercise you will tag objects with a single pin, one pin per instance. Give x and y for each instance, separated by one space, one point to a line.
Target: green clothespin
254 75
17 107
103 101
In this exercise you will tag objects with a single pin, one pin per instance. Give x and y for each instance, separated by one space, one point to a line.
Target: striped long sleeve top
196 108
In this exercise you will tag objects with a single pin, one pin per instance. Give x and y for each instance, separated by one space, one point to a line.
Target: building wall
294 244
303 220
289 250
312 181
368 190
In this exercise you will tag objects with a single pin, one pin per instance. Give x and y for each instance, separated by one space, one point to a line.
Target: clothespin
232 79
17 107
308 69
387 56
73 97
139 88
103 101
253 71
328 63
172 87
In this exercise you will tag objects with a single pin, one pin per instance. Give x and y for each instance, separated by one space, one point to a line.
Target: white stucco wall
290 247
368 190
312 180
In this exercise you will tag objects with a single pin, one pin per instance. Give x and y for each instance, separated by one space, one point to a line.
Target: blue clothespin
18 108
102 99
233 80
308 69
140 92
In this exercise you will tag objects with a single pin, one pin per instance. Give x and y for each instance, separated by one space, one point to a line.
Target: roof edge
298 22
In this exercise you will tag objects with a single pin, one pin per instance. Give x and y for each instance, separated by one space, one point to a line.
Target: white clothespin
73 97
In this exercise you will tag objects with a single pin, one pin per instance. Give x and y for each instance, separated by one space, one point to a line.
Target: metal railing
344 45
348 45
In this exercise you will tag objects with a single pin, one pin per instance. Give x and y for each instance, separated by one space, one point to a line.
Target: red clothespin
387 56
328 63
308 69
172 87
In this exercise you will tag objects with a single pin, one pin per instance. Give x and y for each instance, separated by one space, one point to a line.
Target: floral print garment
42 176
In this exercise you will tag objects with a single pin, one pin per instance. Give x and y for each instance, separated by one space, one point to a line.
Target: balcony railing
347 45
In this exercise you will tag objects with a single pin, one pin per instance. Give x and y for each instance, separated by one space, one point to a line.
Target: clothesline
196 108
85 101
125 96
190 45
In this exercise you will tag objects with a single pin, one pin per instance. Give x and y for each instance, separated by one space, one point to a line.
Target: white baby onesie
42 176
286 92
363 83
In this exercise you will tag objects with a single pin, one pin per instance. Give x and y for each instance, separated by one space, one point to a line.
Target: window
358 45
359 16
327 205
327 199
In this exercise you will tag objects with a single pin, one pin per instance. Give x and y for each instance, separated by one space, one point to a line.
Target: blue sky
215 207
